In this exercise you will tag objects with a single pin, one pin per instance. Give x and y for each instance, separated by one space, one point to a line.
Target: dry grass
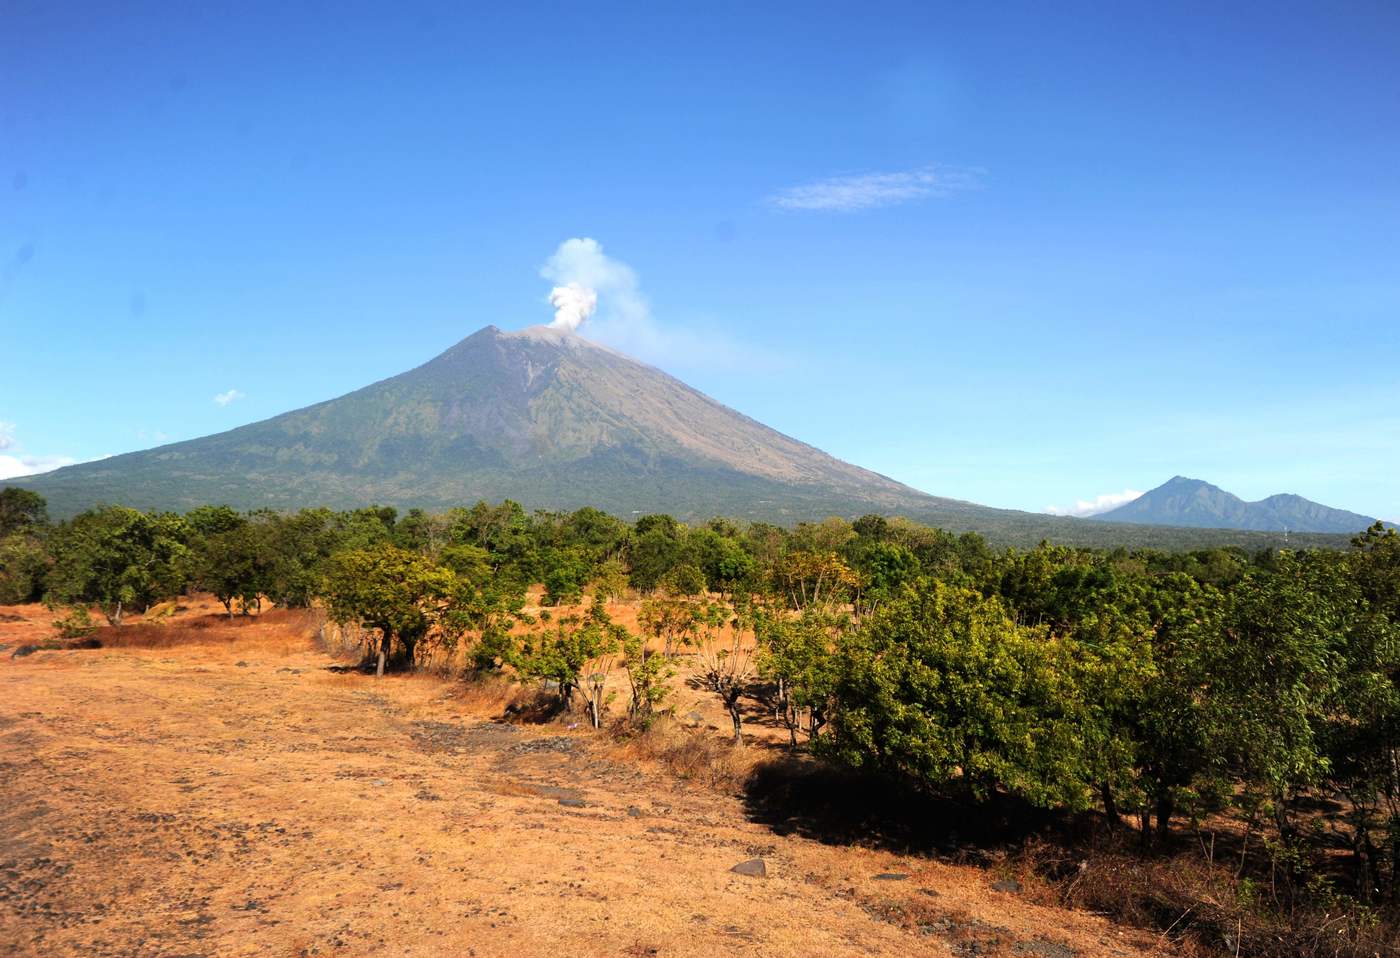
279 627
232 789
691 754
1199 906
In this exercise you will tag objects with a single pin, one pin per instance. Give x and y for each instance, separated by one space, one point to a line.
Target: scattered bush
75 623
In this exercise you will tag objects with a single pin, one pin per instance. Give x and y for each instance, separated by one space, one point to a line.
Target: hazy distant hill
551 420
1191 502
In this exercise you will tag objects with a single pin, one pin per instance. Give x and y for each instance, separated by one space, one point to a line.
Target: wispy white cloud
22 465
1096 505
232 395
863 191
15 462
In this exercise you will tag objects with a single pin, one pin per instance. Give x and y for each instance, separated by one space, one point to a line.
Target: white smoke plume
593 288
573 304
585 279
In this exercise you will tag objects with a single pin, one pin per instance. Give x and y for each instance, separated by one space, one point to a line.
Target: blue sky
1023 254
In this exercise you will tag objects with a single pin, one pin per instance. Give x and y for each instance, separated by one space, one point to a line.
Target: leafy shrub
75 624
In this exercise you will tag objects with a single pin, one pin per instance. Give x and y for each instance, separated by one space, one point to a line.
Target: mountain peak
540 415
1183 482
1181 501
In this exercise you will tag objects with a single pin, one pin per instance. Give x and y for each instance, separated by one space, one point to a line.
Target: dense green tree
797 656
212 520
504 531
562 651
653 551
684 579
419 532
483 610
1275 671
1362 736
398 593
121 559
944 687
468 562
610 579
600 535
565 571
236 565
21 510
300 545
1167 706
23 566
882 570
721 559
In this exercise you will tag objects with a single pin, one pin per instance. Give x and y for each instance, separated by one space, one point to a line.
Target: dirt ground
241 796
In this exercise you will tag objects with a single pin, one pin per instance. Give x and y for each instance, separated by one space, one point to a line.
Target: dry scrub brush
1200 904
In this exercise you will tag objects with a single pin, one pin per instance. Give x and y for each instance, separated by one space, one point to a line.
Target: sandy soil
238 796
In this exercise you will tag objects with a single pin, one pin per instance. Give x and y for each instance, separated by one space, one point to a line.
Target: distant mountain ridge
553 421
1198 504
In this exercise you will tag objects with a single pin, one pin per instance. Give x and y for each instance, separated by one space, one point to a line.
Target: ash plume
573 304
583 276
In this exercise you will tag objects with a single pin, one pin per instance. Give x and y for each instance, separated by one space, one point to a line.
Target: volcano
542 416
547 418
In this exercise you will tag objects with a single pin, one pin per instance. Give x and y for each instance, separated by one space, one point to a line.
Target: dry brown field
207 787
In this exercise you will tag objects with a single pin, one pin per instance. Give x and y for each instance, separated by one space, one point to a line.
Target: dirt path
244 800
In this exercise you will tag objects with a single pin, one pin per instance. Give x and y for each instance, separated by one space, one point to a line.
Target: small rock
891 876
1007 885
573 803
754 867
379 783
241 664
634 811
695 718
1044 949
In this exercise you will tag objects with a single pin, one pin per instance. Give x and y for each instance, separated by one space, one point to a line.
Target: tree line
1158 688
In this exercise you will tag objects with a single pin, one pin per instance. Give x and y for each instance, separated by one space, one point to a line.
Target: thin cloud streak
224 398
1096 505
848 194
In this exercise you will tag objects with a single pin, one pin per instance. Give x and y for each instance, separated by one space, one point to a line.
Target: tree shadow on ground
797 795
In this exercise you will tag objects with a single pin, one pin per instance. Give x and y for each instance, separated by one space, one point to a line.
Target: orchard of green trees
1158 688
